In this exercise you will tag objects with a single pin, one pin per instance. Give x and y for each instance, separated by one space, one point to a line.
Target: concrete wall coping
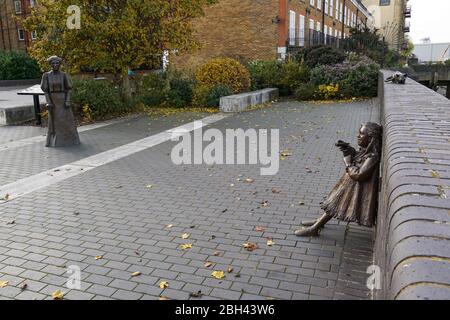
242 101
413 228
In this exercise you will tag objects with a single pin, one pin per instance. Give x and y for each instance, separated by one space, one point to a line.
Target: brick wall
9 35
235 28
413 227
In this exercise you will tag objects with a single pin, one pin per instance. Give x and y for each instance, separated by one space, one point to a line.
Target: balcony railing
406 27
313 38
408 12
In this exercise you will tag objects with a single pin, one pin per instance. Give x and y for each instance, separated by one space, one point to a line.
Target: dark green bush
306 91
265 73
320 55
18 65
100 96
214 94
294 74
180 93
153 89
356 77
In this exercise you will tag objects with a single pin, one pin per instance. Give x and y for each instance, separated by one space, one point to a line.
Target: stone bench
242 101
412 246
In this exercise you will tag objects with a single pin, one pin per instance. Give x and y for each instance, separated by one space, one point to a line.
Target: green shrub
356 77
153 89
306 91
224 71
293 75
100 97
18 65
265 73
215 93
180 93
321 55
447 62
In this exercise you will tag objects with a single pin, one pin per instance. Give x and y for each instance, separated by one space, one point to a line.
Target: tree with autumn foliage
115 35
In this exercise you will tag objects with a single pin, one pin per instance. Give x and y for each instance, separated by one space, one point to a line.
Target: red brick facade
12 36
265 29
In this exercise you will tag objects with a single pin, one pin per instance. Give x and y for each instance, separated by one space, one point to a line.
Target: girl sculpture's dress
354 198
62 129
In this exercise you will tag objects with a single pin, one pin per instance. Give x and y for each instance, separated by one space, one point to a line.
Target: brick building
270 29
12 36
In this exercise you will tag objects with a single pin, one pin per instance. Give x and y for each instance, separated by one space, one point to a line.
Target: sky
430 18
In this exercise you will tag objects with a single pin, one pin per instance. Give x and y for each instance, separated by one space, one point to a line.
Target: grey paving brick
126 295
101 290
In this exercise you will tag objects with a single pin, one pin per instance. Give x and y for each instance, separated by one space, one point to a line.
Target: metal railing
314 38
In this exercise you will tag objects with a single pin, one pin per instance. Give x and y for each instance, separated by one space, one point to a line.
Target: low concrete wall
242 101
16 115
15 83
413 228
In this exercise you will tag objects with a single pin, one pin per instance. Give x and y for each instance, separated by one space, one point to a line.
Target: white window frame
311 2
326 6
301 30
331 8
311 24
325 32
19 34
33 35
18 7
292 22
32 3
319 4
337 10
318 26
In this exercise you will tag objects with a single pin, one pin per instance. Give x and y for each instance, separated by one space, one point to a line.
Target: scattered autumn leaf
207 264
149 186
265 204
286 153
163 298
3 283
135 274
11 222
57 295
23 286
249 180
98 257
259 229
218 274
276 190
301 203
185 236
249 246
270 242
216 253
6 196
197 294
186 246
435 174
230 269
169 226
163 284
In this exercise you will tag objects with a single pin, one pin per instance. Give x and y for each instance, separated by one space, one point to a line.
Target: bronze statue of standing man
62 129
355 196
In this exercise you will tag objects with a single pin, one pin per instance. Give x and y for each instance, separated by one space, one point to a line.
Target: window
18 7
301 31
325 32
326 6
311 24
34 35
318 26
319 4
345 15
292 16
331 8
337 9
341 12
21 33
385 2
311 2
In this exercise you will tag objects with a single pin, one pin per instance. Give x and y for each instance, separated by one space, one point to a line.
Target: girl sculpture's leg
315 228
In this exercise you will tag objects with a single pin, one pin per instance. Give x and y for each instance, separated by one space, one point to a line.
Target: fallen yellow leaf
218 274
163 284
98 257
163 298
149 186
57 295
249 246
186 246
135 274
169 226
270 242
230 269
207 264
3 283
185 236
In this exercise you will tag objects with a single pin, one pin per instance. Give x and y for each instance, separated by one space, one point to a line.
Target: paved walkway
110 211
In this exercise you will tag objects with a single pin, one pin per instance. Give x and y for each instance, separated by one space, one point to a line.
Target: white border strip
44 179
